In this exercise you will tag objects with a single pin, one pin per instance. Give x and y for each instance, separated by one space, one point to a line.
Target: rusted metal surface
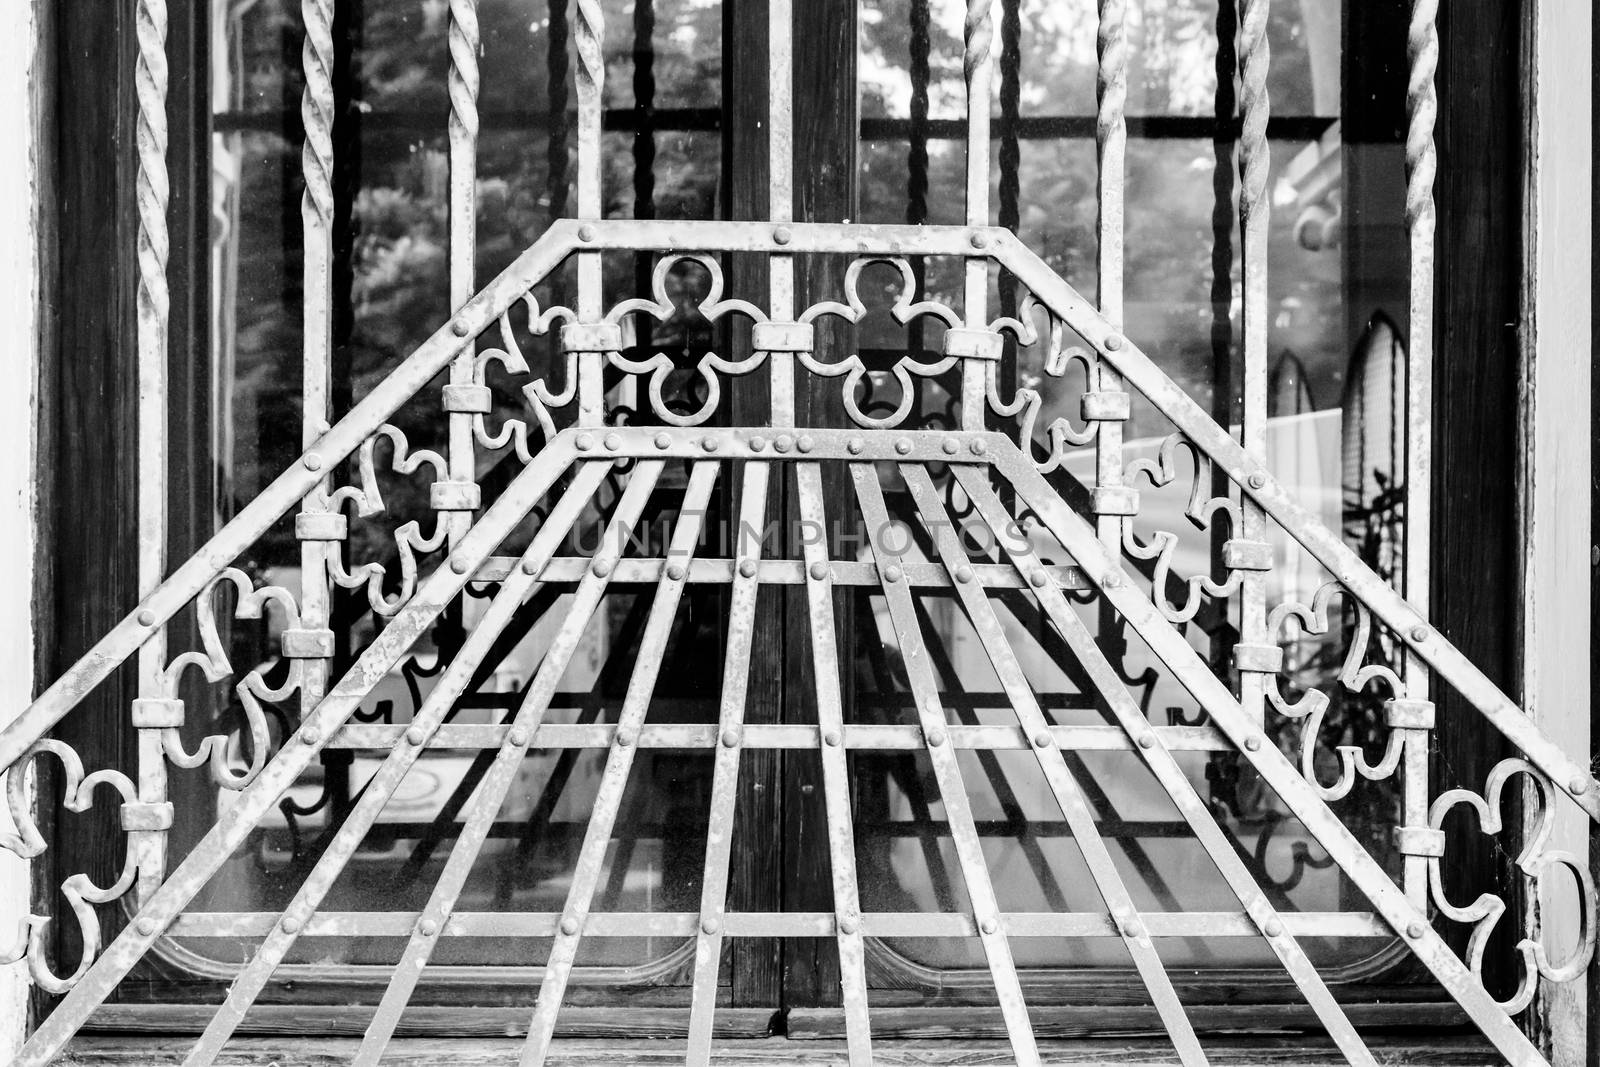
879 450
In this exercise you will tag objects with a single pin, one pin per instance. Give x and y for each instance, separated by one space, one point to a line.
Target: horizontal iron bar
865 738
777 924
665 235
647 571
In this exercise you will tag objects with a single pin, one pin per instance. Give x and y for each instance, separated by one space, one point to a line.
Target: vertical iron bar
978 66
947 771
1422 109
917 155
835 768
1111 146
780 170
153 309
1176 784
252 979
591 76
1068 794
619 761
463 211
743 595
316 215
1254 220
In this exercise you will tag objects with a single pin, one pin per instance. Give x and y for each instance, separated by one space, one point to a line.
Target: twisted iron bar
978 36
152 193
316 112
1255 155
644 100
917 154
1111 142
464 44
557 145
1422 112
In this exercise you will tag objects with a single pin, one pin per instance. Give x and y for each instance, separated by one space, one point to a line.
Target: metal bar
978 66
857 737
500 925
1068 795
1422 162
725 767
619 762
254 801
591 76
1301 797
835 771
1176 784
947 772
780 172
1111 147
249 983
1325 546
1255 207
491 792
152 309
463 213
568 570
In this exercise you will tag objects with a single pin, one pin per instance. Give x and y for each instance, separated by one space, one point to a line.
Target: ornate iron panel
581 438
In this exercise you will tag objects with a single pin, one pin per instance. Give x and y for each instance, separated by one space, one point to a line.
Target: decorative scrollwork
1535 860
1201 511
410 543
905 309
1027 401
537 392
1355 675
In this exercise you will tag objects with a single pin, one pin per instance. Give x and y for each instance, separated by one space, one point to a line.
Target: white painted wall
1556 502
19 280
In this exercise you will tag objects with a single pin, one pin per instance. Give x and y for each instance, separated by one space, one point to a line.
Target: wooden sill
139 1051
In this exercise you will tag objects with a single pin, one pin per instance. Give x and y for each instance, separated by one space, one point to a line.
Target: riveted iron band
1419 841
591 337
468 399
1258 659
1105 406
321 526
455 496
1241 555
307 644
783 337
1408 714
142 815
974 344
1115 500
157 713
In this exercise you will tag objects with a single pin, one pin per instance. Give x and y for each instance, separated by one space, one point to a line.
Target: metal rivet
1114 342
675 571
1252 743
460 564
951 446
783 443
585 441
427 928
1578 786
1274 928
1129 928
460 327
782 235
613 441
1039 579
730 738
747 569
312 461
963 573
624 738
855 445
710 926
147 928
980 240
663 440
757 443
820 571
586 233
146 618
1257 480
1419 633
569 926
1147 741
935 738
601 567
903 445
989 926
518 736
416 735
847 925
1415 931
892 573
831 738
309 736
1042 739
530 566
979 447
709 443
807 442
290 926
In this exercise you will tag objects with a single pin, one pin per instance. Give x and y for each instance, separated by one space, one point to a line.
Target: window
881 139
